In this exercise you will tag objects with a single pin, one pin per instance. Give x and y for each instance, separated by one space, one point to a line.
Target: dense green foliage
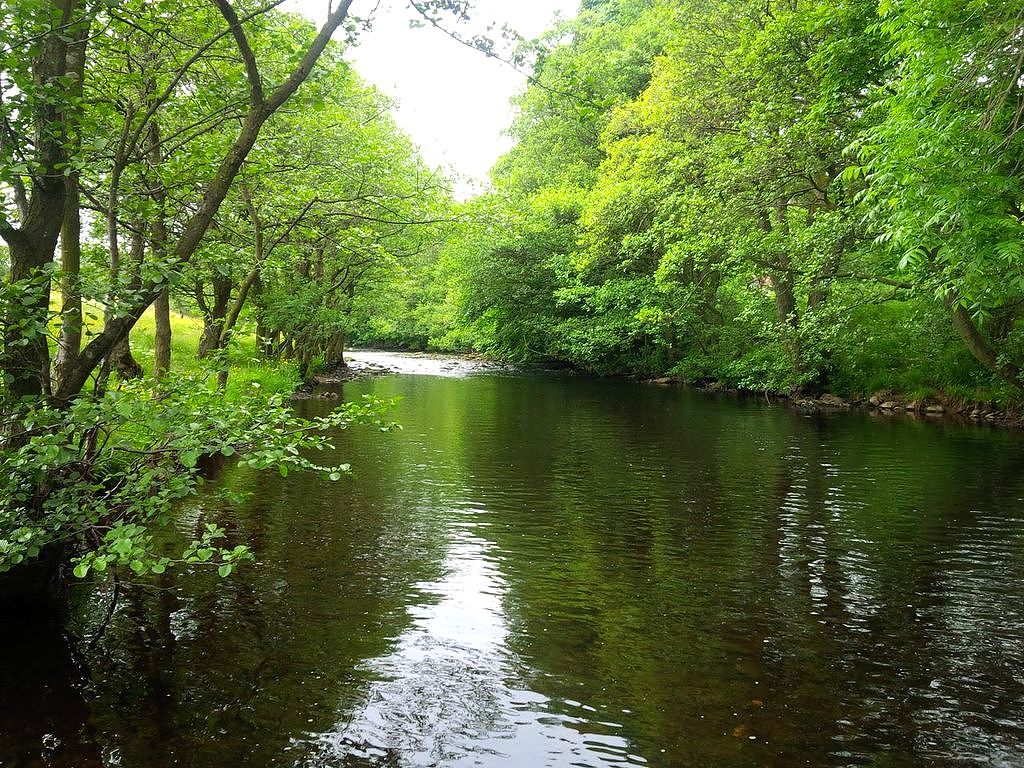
115 466
148 160
796 195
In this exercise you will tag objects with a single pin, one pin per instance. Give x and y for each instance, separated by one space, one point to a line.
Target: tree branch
252 70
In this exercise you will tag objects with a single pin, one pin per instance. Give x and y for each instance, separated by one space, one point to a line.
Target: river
547 570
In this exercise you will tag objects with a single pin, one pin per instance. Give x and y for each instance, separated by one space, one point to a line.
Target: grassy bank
247 367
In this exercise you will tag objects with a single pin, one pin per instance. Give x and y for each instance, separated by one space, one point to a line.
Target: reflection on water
544 571
448 687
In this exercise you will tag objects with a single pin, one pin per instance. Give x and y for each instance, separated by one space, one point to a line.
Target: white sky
453 101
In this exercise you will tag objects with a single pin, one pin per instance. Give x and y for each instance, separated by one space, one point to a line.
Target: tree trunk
158 243
70 341
268 340
252 282
162 340
785 298
304 356
788 318
213 322
232 319
25 359
26 354
236 308
334 351
266 337
196 226
208 341
288 348
978 345
123 362
783 287
121 359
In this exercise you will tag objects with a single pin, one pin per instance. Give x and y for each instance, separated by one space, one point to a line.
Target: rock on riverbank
884 403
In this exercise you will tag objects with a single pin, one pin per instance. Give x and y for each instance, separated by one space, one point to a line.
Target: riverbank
883 403
886 403
248 369
323 385
935 406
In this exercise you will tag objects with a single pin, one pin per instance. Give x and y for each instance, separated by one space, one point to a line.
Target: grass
247 367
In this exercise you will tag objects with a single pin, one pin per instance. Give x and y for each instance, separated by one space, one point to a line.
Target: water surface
558 571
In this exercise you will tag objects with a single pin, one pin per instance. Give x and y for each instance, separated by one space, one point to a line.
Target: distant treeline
785 195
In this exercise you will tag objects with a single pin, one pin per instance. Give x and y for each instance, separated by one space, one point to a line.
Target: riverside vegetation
785 196
153 143
794 196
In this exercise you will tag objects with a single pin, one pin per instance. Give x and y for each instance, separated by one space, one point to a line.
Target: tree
69 475
943 167
45 105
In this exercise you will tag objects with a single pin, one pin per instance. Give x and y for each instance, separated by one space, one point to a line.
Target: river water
545 570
